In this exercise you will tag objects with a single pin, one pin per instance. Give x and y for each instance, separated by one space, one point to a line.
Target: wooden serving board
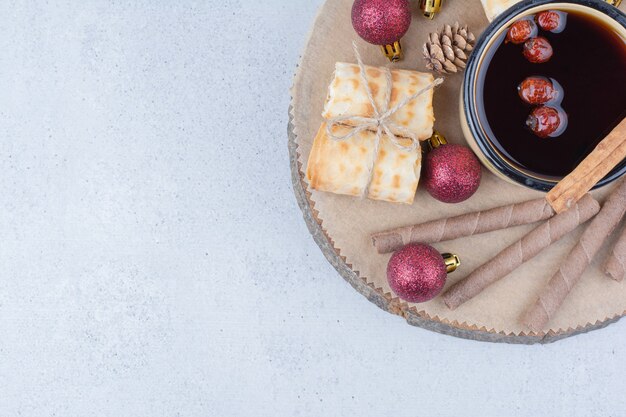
491 316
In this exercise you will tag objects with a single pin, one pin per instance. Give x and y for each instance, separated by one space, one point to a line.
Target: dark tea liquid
589 62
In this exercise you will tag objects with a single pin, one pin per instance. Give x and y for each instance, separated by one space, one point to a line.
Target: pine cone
447 51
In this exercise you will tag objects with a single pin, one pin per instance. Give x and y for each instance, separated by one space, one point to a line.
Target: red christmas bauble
416 273
451 173
381 22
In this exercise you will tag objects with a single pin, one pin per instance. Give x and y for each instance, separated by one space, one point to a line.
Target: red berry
538 50
537 90
521 31
549 20
544 121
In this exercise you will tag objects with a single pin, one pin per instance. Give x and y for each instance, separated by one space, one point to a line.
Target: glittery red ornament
417 273
451 173
381 22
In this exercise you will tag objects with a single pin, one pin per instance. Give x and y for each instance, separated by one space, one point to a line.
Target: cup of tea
545 84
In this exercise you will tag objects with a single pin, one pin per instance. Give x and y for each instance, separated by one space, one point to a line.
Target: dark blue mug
473 128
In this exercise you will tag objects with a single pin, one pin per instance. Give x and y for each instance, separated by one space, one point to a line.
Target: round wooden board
377 297
385 300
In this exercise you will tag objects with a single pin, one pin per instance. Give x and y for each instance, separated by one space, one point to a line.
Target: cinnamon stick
610 152
555 292
615 265
521 251
464 225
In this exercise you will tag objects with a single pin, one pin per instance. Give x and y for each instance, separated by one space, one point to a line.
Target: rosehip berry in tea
521 31
551 21
537 90
544 121
538 50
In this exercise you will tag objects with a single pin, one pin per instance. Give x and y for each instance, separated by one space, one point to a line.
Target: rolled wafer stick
464 225
555 292
521 251
615 265
610 152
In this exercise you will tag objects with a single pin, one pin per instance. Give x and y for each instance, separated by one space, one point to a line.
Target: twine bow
381 121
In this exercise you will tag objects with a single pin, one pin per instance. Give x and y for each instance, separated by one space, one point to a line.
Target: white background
154 261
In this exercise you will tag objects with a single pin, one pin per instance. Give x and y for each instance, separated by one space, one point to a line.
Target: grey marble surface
154 260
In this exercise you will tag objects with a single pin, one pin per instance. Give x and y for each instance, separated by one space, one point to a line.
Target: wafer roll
464 225
577 261
521 251
615 265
